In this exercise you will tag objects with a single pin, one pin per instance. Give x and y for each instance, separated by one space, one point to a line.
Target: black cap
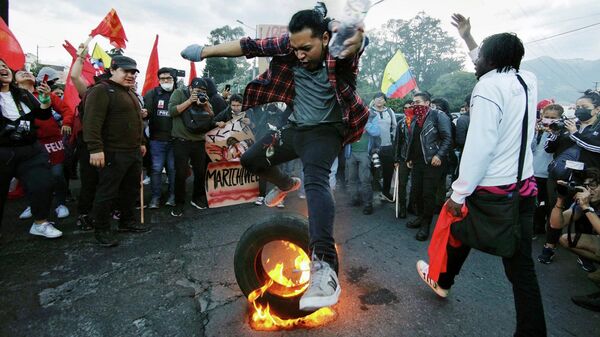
124 62
198 83
168 70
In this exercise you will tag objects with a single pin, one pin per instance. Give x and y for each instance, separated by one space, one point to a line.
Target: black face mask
583 114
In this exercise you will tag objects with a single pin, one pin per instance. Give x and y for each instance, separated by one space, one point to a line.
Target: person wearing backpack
161 145
192 117
112 131
387 126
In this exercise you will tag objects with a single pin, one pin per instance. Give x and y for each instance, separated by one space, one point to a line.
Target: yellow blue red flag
100 59
397 79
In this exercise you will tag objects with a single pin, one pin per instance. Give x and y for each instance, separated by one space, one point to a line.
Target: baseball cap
124 62
198 83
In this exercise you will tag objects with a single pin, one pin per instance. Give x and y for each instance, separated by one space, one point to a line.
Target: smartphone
45 80
180 73
227 87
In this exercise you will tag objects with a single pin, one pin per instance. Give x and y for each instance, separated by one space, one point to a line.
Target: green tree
223 69
454 87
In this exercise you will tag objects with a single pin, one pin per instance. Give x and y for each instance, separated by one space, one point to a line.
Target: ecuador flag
397 79
100 59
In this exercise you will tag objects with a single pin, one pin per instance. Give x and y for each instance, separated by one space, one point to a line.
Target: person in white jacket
490 164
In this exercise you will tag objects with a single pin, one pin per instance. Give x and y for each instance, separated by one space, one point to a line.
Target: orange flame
263 319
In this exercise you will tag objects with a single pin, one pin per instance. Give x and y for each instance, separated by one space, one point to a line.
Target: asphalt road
178 280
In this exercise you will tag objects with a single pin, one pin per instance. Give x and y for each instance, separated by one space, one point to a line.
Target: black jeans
425 180
520 272
29 164
386 156
552 234
89 179
317 148
185 152
119 180
403 174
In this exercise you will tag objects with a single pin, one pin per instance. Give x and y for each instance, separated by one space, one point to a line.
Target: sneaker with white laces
62 211
423 269
259 201
324 287
45 229
276 195
26 213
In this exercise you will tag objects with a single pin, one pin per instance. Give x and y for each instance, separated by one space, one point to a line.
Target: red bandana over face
420 113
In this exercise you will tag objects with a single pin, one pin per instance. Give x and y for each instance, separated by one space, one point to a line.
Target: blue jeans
359 177
162 156
317 147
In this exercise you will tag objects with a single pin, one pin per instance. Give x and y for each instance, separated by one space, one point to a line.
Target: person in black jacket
161 145
429 139
21 155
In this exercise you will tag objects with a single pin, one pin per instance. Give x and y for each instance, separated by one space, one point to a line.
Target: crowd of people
324 124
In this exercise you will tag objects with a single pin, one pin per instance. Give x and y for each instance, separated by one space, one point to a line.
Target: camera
574 182
557 125
375 160
15 132
180 73
202 98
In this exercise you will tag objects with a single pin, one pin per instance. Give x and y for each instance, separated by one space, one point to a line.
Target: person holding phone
21 155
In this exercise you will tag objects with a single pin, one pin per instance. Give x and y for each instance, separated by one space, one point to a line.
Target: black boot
368 210
106 237
132 226
402 212
414 223
423 233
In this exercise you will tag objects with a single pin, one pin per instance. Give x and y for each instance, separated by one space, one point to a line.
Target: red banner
112 29
10 49
151 80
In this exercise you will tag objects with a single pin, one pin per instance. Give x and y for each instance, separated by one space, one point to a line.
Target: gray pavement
178 280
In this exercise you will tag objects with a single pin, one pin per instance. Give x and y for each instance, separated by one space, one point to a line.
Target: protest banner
227 182
264 31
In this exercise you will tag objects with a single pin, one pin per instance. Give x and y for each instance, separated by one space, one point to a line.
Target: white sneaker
324 289
62 211
275 196
146 180
423 269
46 229
26 213
259 201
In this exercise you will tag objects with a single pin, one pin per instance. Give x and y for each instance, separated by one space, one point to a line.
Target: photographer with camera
584 215
575 140
21 155
192 117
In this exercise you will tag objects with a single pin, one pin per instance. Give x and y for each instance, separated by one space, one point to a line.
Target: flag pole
396 183
142 197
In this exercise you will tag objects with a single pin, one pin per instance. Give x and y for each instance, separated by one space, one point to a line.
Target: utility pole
595 84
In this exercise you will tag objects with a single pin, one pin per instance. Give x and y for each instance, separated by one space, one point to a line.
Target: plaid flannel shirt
277 83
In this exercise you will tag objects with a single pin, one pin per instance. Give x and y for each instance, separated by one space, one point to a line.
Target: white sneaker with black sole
324 288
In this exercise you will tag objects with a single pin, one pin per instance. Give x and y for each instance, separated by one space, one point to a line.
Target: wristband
44 99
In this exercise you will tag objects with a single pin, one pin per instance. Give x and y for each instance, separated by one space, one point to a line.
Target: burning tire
252 269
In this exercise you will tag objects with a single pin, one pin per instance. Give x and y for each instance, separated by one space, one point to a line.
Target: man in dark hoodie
214 98
161 145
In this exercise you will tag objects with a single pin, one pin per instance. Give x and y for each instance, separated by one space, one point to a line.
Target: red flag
151 80
111 28
192 72
10 49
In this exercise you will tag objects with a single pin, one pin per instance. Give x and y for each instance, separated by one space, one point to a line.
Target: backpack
557 169
195 119
80 109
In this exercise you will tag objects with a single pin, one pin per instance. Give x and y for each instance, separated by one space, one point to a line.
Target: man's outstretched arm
197 53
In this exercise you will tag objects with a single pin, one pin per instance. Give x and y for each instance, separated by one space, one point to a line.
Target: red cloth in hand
438 256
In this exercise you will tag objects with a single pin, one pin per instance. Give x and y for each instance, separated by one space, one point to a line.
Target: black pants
317 147
88 176
29 164
119 180
186 152
403 174
520 272
386 157
425 181
552 234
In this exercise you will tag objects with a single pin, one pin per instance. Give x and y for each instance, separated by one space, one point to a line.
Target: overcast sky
179 23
